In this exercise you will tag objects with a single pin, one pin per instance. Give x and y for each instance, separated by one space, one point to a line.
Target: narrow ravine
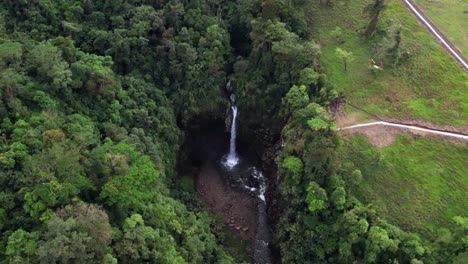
252 180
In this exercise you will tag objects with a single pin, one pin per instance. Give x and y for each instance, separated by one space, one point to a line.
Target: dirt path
237 209
413 128
383 132
445 43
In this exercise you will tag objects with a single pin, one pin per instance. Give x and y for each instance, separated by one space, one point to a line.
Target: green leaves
346 56
317 124
10 54
276 31
141 242
45 101
314 116
297 98
3 218
12 84
316 198
293 169
65 242
45 61
94 73
21 246
63 98
309 77
16 152
38 203
81 129
77 233
133 186
338 198
378 240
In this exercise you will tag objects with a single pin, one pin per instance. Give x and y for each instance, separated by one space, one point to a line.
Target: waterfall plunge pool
229 181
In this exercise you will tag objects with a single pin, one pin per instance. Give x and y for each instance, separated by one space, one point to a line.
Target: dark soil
237 209
208 142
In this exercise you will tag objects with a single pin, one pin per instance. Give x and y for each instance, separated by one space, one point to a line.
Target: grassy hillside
428 85
418 184
450 17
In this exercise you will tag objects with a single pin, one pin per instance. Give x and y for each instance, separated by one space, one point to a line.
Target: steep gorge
228 177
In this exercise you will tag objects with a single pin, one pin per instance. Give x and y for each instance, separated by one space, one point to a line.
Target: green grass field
450 17
417 184
428 86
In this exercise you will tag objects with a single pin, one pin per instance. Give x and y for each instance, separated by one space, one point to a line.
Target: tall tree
345 56
374 10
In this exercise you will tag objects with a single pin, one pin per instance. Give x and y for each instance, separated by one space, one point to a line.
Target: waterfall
232 158
252 180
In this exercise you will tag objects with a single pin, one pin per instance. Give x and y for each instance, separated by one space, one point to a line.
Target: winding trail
445 43
421 129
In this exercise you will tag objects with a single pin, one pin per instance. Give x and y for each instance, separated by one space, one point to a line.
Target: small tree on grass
345 56
374 11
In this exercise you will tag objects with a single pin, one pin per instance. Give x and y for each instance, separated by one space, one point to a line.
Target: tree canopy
97 97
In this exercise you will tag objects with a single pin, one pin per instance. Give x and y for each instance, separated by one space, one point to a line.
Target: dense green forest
96 100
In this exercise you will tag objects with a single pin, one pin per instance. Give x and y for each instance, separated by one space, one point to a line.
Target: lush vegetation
91 93
324 220
95 99
450 17
418 184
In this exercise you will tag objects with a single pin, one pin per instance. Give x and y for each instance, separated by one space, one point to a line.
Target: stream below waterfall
230 181
252 180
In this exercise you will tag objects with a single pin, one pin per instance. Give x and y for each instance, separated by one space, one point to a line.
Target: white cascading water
232 158
260 191
263 235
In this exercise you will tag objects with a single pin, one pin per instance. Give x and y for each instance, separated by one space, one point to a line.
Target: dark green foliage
388 51
21 246
81 233
374 10
85 125
92 95
274 65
